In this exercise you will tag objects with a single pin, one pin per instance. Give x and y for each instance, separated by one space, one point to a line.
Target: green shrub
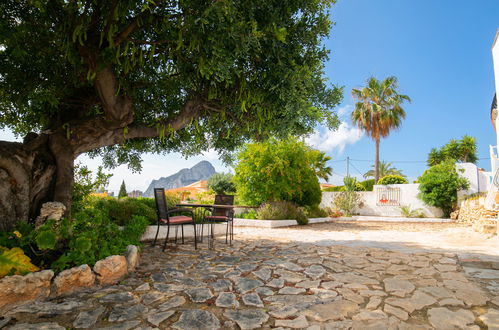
351 184
87 238
407 212
347 201
392 179
249 214
315 212
92 236
282 210
439 185
122 210
222 183
85 184
368 184
278 170
337 188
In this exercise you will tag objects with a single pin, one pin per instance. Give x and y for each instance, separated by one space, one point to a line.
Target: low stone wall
238 222
472 211
17 289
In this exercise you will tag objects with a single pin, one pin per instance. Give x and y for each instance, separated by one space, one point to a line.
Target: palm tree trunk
376 161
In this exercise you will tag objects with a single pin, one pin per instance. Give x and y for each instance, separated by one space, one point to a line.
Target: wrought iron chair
165 218
220 215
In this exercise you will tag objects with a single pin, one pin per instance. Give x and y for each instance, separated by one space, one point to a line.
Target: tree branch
118 108
95 134
132 26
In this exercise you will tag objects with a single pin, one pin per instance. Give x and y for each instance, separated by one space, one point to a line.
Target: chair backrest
161 206
223 200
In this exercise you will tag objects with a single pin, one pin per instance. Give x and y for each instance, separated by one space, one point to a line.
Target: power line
356 168
338 174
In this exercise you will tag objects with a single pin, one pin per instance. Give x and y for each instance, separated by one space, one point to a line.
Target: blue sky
440 50
441 53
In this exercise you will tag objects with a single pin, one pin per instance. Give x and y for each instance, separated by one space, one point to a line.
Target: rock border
16 290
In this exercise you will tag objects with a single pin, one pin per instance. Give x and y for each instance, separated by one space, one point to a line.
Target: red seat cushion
178 219
216 217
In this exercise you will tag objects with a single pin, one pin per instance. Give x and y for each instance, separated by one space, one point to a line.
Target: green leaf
15 262
46 240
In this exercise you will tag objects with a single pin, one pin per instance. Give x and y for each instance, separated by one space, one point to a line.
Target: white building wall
495 57
408 197
479 180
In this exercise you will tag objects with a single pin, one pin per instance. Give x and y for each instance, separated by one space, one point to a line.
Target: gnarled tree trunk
41 169
26 181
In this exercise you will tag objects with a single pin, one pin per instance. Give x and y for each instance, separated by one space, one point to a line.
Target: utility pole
348 166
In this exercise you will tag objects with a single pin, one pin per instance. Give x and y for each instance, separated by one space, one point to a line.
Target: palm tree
378 111
319 160
385 168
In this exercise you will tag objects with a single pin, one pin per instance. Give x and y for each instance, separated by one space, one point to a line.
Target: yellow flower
18 234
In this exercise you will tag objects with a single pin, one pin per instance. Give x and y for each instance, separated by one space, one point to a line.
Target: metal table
211 238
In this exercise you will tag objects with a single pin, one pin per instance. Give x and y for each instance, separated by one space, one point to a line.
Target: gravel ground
407 237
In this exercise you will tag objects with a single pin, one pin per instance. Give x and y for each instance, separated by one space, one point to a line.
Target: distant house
135 193
326 185
191 190
100 194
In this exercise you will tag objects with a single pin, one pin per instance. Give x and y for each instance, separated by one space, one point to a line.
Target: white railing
490 201
494 158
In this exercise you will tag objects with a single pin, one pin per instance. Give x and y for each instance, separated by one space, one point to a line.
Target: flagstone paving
264 283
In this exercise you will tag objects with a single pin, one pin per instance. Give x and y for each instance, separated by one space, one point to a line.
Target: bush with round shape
439 185
368 184
278 170
392 179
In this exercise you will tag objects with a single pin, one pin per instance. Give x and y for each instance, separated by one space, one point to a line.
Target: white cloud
329 141
344 111
211 154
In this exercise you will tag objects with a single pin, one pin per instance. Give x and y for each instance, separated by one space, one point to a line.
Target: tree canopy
196 74
463 151
119 78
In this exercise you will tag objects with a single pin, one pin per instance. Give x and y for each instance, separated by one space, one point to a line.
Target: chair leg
211 236
201 233
176 232
227 232
182 233
166 239
155 237
195 238
231 231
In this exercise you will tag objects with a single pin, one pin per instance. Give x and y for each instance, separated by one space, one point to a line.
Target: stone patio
260 282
